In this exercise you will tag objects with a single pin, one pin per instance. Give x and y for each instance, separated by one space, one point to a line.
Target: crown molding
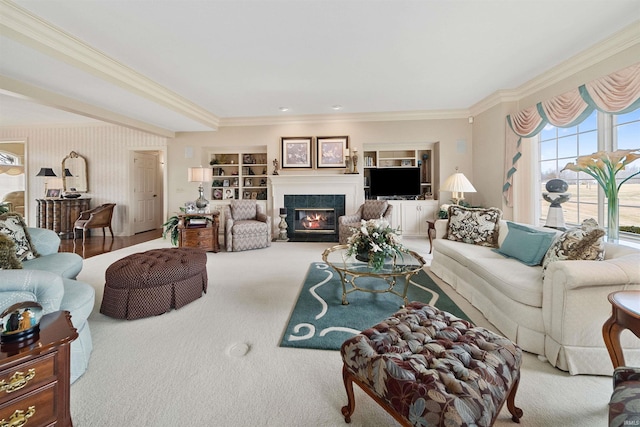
340 118
38 95
599 52
26 28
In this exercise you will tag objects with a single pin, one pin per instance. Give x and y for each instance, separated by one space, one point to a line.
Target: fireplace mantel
351 185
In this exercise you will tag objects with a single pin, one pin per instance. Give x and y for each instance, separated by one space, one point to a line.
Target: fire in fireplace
315 220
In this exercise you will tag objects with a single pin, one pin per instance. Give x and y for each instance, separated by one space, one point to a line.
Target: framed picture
53 192
225 183
331 151
217 194
229 194
296 152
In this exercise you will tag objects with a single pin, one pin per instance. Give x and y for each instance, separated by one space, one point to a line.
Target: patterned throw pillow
582 243
476 226
12 225
8 258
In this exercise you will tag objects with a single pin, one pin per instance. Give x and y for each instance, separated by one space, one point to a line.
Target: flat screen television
395 182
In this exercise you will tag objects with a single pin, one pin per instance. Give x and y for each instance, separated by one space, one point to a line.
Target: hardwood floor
96 244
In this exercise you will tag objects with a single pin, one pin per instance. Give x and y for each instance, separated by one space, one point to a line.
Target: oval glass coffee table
400 268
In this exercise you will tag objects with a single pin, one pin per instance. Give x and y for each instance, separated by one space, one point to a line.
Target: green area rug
319 320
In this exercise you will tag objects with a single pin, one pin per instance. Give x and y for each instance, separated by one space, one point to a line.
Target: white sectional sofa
559 317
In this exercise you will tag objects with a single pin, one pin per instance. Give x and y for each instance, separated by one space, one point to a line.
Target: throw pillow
8 258
477 226
12 225
525 244
582 243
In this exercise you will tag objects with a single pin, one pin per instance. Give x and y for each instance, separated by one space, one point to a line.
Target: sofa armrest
43 287
46 241
574 300
625 373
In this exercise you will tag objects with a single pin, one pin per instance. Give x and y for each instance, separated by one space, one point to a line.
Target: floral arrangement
443 213
603 167
377 239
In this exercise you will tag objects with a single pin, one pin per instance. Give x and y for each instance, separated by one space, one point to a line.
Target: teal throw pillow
525 244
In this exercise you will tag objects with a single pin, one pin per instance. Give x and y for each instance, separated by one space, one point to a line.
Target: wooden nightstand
34 375
194 236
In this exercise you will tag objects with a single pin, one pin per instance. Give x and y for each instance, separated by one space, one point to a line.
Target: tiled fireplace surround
342 192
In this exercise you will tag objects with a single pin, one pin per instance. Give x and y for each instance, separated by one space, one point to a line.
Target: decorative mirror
74 173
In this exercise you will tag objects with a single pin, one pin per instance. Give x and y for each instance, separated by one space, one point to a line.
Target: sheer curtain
617 93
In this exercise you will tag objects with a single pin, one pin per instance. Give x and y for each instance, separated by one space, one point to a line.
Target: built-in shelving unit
424 158
240 175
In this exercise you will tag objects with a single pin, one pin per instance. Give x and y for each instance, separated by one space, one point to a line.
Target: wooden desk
35 374
60 214
199 237
625 315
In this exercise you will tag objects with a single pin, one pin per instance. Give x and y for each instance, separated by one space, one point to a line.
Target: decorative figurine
276 166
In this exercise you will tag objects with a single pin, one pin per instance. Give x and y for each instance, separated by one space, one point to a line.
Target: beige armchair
246 226
371 209
99 217
15 201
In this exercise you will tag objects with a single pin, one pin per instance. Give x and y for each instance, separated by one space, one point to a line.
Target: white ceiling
237 59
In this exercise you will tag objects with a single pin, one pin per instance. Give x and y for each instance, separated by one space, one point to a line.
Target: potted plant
373 242
171 226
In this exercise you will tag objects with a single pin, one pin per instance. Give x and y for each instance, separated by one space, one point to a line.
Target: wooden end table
625 315
205 238
431 226
35 375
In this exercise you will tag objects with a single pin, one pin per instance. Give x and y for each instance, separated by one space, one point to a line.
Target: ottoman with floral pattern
427 367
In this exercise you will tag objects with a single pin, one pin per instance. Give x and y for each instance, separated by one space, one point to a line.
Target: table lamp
46 172
200 175
458 184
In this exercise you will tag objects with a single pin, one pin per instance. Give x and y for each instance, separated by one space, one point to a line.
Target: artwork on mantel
332 151
296 152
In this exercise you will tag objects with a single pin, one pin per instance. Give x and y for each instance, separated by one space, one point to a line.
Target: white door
145 175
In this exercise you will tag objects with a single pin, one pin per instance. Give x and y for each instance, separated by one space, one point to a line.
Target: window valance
617 93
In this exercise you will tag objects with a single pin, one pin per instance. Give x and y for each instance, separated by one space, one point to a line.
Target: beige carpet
179 369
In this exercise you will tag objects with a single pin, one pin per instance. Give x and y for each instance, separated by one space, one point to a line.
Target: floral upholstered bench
427 367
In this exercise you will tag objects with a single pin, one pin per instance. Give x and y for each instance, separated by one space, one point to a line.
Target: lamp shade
199 174
46 172
458 183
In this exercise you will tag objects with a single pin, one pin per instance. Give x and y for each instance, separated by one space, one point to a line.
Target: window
559 146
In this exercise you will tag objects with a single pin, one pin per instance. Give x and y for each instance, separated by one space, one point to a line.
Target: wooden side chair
98 217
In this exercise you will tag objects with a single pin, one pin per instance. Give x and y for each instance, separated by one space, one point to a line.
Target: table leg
611 333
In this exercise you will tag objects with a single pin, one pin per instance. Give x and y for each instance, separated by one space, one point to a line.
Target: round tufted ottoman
427 367
153 282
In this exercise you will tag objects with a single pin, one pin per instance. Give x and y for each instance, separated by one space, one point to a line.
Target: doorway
146 191
13 188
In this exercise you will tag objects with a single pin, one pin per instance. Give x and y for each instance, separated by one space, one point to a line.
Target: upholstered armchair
371 209
15 201
246 226
99 217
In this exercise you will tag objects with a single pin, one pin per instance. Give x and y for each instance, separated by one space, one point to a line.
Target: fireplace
313 217
314 220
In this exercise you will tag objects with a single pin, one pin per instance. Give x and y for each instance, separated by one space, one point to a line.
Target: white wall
106 148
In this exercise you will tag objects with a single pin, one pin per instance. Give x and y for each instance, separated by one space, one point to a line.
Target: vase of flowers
373 242
603 167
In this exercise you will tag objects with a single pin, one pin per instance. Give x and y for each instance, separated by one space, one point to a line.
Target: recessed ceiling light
337 107
284 109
